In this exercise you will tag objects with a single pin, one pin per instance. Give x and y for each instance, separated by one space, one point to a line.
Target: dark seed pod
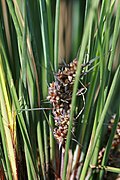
60 96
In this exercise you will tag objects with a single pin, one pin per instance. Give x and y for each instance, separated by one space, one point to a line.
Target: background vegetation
34 38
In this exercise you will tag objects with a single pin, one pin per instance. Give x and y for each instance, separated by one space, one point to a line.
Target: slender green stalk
46 146
45 38
114 42
93 141
111 169
50 28
24 47
15 21
7 117
29 173
50 31
109 144
52 141
83 46
21 121
6 153
40 146
56 42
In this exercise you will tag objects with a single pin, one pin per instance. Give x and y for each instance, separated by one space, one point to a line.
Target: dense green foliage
34 35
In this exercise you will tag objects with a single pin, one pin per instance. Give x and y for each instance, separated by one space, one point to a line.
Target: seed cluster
60 96
116 140
114 153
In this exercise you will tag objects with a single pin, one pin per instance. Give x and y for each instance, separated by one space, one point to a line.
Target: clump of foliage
30 46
